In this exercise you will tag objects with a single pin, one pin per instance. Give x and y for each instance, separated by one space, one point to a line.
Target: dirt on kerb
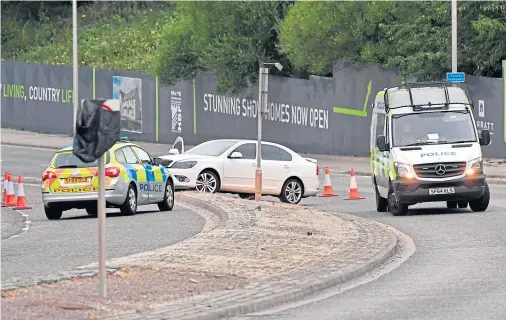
128 291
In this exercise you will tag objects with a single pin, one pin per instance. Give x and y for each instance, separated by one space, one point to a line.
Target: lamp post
454 35
75 88
263 88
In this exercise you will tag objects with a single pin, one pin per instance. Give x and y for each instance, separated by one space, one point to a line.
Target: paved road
457 272
52 246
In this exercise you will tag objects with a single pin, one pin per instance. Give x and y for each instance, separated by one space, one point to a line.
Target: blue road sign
455 77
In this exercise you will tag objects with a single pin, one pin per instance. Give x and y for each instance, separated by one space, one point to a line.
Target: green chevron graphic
354 112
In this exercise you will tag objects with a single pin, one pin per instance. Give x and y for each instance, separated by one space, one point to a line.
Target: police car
132 177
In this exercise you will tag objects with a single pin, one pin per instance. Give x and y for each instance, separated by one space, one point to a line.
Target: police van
425 147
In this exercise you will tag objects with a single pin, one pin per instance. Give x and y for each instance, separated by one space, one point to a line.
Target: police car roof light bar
123 139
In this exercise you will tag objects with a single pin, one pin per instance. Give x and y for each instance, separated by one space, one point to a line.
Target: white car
229 165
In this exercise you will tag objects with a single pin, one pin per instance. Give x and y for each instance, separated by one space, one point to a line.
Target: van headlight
474 166
183 165
404 170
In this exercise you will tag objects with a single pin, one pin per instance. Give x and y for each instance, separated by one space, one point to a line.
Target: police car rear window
67 159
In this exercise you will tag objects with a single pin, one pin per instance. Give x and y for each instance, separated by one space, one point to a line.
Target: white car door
276 165
239 174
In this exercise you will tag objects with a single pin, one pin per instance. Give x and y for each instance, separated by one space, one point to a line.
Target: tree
227 39
412 36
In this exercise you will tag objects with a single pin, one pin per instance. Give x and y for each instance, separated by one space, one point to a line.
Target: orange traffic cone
353 188
327 187
11 195
22 204
4 193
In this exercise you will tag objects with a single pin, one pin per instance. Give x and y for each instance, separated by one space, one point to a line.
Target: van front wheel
396 208
481 204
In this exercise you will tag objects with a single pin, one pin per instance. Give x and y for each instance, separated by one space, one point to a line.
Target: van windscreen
432 127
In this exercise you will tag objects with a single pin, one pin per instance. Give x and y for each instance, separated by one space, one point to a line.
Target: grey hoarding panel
300 112
137 94
489 112
176 112
39 98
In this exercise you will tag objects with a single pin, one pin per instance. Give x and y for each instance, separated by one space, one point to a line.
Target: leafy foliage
121 36
228 39
412 36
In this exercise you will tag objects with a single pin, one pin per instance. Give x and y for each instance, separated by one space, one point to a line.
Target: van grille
451 169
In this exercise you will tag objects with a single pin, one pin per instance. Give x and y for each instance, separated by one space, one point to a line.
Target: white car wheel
292 191
207 182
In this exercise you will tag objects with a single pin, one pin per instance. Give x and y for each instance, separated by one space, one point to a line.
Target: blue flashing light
123 138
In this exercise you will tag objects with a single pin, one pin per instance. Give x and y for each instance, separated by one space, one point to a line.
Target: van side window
380 124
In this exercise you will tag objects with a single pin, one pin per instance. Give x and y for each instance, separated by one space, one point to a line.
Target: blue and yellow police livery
133 177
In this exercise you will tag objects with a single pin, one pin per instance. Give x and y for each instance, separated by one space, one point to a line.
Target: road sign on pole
455 77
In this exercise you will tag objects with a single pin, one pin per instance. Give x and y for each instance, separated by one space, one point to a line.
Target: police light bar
123 139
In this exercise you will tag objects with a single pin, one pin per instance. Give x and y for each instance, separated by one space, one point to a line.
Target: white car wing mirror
235 155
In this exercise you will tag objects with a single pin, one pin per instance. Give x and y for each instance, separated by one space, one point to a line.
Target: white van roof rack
430 105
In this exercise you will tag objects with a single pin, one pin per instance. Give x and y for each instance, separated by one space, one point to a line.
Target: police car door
136 172
155 183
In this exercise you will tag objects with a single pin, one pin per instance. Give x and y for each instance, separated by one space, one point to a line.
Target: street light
263 88
75 88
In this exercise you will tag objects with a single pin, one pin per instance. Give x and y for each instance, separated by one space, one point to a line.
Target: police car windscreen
70 160
432 127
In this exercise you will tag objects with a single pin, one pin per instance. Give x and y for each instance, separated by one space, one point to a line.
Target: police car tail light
112 172
48 175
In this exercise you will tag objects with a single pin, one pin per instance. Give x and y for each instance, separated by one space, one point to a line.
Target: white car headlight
404 170
475 165
183 164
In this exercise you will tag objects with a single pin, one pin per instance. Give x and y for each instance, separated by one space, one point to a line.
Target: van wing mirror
485 137
381 143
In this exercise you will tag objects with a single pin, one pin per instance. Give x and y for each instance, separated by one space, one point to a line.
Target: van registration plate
437 191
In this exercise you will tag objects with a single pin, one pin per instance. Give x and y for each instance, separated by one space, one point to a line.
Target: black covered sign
97 128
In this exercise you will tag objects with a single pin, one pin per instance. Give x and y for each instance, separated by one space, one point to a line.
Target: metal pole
454 35
101 225
75 90
258 173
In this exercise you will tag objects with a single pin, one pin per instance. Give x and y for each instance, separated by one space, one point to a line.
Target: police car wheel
168 200
396 208
481 204
129 207
53 213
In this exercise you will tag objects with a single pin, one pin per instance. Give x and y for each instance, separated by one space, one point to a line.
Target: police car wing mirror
157 161
173 151
381 143
485 137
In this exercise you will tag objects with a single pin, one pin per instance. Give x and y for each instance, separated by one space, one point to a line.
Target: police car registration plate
75 180
437 191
